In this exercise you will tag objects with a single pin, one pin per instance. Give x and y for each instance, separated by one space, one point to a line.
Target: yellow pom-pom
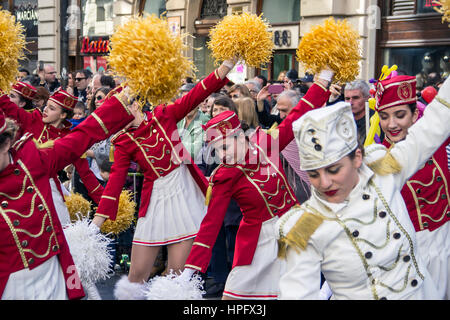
444 8
334 45
150 57
245 36
12 46
125 215
77 206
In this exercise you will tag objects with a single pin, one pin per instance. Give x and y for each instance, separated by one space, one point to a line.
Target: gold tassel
84 156
273 131
47 144
386 165
111 153
208 193
299 235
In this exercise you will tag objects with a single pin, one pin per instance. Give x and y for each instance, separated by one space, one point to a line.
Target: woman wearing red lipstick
356 228
251 174
426 193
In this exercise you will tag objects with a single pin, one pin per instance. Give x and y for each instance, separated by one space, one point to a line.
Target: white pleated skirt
259 280
45 282
60 205
434 248
176 209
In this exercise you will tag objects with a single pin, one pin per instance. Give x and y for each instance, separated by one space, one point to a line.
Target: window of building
97 17
213 9
407 7
426 63
425 6
202 57
281 11
157 7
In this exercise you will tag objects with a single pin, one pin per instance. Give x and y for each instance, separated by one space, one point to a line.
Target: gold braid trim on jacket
385 165
299 235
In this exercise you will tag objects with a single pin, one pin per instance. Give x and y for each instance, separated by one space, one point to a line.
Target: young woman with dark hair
48 126
35 260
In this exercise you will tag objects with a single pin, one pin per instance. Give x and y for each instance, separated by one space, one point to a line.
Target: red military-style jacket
259 186
156 146
426 193
31 232
42 132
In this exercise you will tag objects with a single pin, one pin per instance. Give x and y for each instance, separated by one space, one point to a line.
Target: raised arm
24 119
425 136
212 83
315 98
112 116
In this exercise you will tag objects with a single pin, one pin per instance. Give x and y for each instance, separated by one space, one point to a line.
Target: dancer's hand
94 228
98 221
226 67
187 274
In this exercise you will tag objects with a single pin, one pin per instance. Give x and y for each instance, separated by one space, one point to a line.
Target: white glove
187 274
326 74
230 63
94 228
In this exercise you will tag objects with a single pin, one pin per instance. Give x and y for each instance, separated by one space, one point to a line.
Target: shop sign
27 15
94 45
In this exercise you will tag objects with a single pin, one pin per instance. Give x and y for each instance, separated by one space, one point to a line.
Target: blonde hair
242 88
246 111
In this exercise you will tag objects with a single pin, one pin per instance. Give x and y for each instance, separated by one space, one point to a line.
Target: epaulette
19 143
297 237
273 130
385 165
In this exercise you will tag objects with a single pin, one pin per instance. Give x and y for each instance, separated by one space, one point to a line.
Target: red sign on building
94 46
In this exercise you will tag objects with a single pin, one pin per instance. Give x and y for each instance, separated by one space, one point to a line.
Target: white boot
126 290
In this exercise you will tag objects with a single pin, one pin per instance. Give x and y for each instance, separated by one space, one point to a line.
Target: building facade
74 34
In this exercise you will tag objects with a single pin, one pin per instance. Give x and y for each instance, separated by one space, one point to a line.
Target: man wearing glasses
49 80
82 79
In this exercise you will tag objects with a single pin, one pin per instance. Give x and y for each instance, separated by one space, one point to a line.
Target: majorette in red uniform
27 92
426 193
35 261
172 198
44 132
261 189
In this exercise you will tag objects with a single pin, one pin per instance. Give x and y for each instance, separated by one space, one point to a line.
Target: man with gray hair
254 88
357 93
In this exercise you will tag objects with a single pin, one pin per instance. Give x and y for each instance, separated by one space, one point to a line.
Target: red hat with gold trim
24 89
64 99
2 122
221 126
398 90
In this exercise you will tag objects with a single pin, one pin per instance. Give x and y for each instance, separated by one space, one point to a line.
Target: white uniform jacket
366 246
